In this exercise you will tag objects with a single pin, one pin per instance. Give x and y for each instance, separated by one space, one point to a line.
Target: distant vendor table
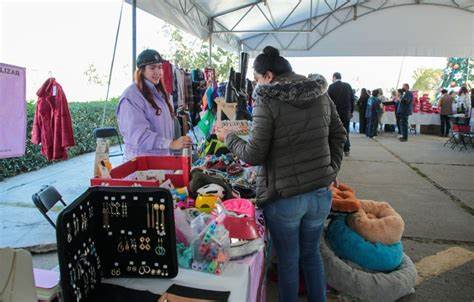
243 278
416 119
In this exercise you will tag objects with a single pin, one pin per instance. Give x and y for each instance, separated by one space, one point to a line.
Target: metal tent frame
295 25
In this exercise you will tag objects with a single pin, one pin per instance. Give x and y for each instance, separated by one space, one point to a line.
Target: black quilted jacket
297 138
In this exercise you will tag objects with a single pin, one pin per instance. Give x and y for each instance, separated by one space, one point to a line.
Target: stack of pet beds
362 250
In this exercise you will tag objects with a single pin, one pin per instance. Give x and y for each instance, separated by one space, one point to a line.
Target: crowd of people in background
451 103
370 106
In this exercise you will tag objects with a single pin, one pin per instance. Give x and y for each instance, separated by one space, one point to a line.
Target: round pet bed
350 280
349 245
377 222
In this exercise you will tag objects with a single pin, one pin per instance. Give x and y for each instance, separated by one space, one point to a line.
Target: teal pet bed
349 245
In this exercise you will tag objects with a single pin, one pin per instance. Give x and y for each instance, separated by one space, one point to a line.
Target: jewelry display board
115 232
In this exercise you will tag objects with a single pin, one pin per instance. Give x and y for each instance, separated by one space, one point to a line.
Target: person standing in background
471 122
362 105
371 113
382 99
472 98
404 110
397 116
445 105
463 101
343 97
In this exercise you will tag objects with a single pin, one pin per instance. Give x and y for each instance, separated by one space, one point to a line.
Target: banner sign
12 111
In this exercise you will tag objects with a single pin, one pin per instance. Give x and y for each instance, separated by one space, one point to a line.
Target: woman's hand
181 143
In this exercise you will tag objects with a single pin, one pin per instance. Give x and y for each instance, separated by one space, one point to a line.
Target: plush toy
377 222
344 199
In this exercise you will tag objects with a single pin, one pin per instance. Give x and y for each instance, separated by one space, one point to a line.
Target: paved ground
430 186
21 224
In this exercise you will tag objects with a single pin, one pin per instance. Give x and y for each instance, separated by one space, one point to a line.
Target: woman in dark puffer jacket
297 142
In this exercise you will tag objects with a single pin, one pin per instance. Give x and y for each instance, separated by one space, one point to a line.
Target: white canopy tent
326 27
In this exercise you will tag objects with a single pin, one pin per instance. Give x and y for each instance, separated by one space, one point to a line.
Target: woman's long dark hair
463 90
364 94
140 82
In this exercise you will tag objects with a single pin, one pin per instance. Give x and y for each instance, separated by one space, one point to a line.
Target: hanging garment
174 94
52 125
168 77
197 75
181 87
12 111
188 83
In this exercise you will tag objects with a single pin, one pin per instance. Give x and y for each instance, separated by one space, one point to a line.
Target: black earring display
113 233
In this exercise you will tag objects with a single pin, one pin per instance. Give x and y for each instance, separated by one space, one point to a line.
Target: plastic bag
206 122
212 245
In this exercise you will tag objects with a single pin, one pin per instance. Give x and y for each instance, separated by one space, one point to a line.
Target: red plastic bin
143 163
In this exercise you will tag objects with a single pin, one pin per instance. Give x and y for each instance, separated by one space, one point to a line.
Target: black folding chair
460 137
108 132
45 199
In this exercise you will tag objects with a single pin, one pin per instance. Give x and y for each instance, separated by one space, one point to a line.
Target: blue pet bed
347 244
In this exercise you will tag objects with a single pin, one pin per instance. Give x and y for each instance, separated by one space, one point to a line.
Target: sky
63 38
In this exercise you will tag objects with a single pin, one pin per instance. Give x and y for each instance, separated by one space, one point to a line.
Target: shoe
402 139
399 136
347 153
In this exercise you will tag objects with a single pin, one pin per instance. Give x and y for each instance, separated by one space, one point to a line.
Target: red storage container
144 163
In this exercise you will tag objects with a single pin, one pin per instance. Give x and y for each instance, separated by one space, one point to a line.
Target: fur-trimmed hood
293 89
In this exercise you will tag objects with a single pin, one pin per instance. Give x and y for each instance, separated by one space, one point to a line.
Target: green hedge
85 117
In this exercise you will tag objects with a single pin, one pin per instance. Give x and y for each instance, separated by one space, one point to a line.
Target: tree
427 79
93 76
458 71
190 53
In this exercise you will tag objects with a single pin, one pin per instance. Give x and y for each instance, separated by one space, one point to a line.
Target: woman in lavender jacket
144 114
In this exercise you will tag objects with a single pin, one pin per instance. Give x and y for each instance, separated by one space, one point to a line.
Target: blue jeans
404 125
372 124
296 224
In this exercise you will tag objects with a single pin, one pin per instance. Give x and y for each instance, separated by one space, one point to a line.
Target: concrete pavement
21 224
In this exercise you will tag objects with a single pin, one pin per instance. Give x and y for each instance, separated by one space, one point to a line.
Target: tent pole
112 65
134 35
209 59
400 72
210 29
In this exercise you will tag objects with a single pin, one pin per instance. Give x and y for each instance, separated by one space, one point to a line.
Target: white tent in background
327 27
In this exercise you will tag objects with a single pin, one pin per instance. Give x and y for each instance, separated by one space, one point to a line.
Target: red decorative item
52 125
144 163
244 226
461 128
425 104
